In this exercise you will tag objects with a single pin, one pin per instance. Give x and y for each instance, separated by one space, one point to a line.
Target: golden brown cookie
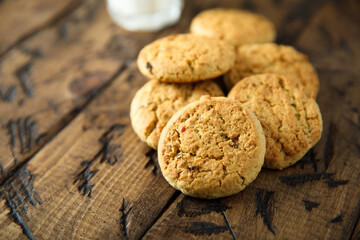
271 58
186 58
212 148
155 103
290 119
236 26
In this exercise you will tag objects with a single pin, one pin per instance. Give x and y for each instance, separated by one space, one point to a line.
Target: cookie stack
211 146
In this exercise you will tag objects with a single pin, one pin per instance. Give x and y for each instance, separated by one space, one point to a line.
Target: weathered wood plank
356 233
54 74
318 197
126 196
20 18
334 42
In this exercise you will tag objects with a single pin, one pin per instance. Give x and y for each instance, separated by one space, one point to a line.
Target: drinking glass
144 15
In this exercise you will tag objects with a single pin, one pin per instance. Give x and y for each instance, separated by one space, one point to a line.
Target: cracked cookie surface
272 58
212 148
236 26
186 58
156 102
290 119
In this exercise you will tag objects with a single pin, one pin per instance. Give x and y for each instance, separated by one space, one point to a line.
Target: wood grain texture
126 195
20 18
96 180
56 72
356 232
334 31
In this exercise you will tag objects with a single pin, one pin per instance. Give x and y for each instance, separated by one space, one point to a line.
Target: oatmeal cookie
212 148
186 58
290 119
236 26
156 102
272 58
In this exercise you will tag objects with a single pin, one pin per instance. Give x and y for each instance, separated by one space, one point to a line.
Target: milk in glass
144 15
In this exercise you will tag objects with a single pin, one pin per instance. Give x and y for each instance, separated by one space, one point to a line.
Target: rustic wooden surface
73 167
21 18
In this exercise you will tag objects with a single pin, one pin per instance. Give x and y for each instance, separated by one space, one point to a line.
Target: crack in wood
108 153
28 134
24 76
84 179
293 180
35 53
333 183
329 145
124 220
18 219
264 207
309 205
2 169
338 91
339 218
18 192
20 125
310 158
193 207
9 95
355 231
53 106
204 228
229 225
13 132
24 129
153 161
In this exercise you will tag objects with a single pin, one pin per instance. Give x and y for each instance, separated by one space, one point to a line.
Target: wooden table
73 168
